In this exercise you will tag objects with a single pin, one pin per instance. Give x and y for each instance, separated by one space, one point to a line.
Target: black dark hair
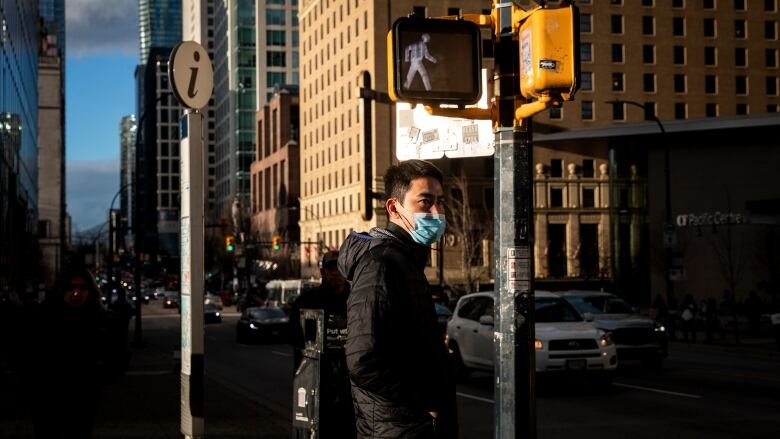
399 177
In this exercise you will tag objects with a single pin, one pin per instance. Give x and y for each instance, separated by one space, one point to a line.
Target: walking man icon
415 53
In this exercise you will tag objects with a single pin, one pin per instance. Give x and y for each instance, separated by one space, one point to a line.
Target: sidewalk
753 347
145 404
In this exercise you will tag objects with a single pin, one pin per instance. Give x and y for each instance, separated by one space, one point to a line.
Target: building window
587 110
710 58
739 5
275 78
556 113
617 24
678 26
742 85
648 54
617 82
556 197
420 11
588 168
709 27
680 110
740 57
679 83
453 11
649 110
710 84
648 83
648 3
771 108
618 111
275 38
586 21
677 4
771 85
679 55
770 5
616 2
648 25
586 81
708 4
740 29
588 197
617 53
586 52
711 110
742 109
770 30
275 17
276 59
770 57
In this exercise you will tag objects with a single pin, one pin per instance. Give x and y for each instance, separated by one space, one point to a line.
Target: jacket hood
358 244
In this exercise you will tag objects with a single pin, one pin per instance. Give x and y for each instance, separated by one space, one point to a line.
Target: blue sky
102 52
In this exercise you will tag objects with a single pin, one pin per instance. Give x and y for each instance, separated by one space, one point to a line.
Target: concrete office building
256 49
19 49
275 181
681 59
127 133
51 159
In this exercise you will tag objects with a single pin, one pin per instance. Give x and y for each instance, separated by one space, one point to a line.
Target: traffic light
276 243
434 61
230 244
549 53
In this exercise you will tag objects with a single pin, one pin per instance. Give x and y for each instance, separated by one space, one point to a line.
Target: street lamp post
111 231
319 223
668 254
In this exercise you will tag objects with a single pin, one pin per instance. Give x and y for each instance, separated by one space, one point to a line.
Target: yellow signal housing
549 53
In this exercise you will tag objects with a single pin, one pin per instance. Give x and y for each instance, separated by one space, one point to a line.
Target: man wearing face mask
396 359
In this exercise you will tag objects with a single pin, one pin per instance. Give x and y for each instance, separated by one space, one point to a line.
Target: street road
701 391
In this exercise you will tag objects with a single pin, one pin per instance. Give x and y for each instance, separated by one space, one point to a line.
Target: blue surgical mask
428 227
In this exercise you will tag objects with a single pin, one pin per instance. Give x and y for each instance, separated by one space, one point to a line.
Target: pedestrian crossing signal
434 61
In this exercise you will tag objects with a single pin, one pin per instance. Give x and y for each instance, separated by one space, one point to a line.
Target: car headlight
217 314
605 340
659 328
253 326
538 345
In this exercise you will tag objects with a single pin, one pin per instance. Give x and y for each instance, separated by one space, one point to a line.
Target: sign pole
514 349
192 275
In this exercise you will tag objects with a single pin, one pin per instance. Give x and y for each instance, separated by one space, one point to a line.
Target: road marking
283 354
148 372
665 392
477 398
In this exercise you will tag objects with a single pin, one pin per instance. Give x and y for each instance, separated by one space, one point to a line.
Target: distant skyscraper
159 24
53 11
127 128
19 48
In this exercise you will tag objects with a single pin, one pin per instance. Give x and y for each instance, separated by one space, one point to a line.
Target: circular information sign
191 74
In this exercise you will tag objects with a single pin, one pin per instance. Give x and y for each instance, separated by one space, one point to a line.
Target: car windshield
601 304
553 309
266 313
442 310
209 307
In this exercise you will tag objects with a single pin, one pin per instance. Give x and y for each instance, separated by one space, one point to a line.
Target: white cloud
101 26
90 186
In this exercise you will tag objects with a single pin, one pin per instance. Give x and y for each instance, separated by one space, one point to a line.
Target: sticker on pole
191 74
419 135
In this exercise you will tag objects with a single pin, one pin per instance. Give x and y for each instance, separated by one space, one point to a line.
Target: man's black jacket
395 354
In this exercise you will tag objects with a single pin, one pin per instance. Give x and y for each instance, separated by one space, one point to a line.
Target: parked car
443 315
211 314
636 337
565 343
282 293
261 323
213 299
171 299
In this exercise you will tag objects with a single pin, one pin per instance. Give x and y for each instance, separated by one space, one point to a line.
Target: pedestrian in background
75 346
688 311
673 312
397 361
711 321
337 414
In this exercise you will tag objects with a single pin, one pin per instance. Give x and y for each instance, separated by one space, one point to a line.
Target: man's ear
392 211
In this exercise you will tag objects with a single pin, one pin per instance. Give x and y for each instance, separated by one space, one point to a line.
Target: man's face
425 195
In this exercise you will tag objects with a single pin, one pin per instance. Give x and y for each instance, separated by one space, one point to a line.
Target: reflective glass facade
54 11
159 24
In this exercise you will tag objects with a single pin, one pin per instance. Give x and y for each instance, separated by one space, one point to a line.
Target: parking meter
306 382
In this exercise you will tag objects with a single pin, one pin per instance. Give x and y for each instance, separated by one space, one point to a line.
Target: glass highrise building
53 11
19 47
159 24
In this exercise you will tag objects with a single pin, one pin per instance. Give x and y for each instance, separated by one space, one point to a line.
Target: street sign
419 135
191 74
434 61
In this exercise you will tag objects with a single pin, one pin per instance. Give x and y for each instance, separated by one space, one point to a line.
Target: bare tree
471 226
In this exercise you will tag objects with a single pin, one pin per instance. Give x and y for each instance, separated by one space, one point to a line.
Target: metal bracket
374 95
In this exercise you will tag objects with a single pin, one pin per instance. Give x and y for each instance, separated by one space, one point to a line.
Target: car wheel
461 371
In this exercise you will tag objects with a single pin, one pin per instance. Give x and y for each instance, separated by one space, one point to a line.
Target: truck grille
574 344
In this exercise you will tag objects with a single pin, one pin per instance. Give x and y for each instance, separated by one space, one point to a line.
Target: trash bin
776 328
306 382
